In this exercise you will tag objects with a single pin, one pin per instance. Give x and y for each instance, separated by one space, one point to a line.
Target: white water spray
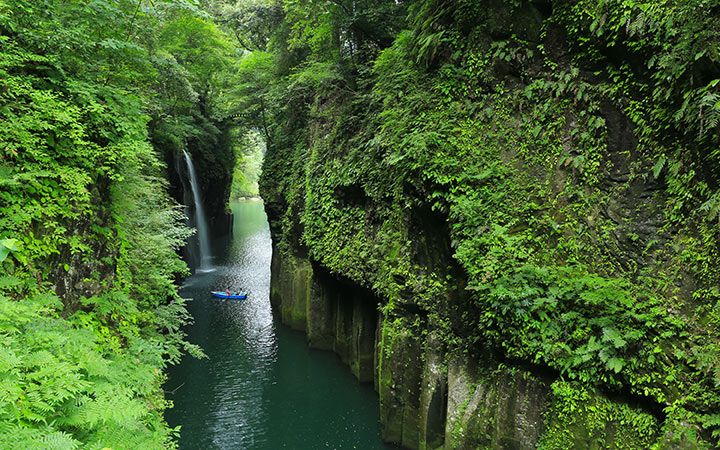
200 221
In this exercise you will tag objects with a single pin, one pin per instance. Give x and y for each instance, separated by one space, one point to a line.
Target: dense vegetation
247 171
94 97
536 178
564 154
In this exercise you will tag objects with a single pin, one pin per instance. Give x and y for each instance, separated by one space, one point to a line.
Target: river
261 387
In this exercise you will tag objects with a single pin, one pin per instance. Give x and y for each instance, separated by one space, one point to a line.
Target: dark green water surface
262 387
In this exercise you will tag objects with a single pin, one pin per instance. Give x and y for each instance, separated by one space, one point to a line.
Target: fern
20 437
709 109
59 440
712 207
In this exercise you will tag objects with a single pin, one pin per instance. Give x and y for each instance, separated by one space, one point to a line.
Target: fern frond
712 206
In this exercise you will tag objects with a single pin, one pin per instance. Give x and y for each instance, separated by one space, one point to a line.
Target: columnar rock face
433 399
522 192
336 316
493 408
400 375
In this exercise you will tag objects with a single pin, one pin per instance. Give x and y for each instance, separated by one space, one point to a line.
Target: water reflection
261 387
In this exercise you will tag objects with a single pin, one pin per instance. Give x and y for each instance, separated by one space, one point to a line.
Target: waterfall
200 220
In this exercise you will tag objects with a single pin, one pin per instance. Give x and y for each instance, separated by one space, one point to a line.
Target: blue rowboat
232 295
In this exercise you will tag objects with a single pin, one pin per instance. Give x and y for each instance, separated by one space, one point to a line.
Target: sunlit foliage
569 148
89 239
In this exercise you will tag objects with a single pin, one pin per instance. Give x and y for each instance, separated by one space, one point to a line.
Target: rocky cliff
214 160
213 156
510 224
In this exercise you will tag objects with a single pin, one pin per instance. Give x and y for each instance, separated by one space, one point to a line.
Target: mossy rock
579 417
489 409
399 383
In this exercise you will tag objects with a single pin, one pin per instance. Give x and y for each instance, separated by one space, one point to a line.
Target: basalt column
335 315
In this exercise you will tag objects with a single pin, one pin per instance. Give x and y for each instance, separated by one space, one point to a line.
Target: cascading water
200 221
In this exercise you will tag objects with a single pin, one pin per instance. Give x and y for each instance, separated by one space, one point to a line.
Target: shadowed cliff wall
530 196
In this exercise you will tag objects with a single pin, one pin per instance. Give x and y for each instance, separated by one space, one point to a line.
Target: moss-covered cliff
530 192
213 155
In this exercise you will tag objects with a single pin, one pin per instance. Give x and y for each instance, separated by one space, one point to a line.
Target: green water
262 387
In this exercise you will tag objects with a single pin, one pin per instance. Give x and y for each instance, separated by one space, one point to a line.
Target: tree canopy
93 97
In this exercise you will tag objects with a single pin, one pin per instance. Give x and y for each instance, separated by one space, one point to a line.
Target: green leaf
615 364
9 281
658 166
7 246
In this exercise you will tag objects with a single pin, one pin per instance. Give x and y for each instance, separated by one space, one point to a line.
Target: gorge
516 187
503 215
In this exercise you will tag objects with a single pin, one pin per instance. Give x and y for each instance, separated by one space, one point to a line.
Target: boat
231 295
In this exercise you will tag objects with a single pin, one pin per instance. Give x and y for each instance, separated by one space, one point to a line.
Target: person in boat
227 291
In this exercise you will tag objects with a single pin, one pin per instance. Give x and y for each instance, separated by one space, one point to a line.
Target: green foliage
540 181
89 238
58 390
201 49
252 93
252 21
580 418
6 247
343 28
249 155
